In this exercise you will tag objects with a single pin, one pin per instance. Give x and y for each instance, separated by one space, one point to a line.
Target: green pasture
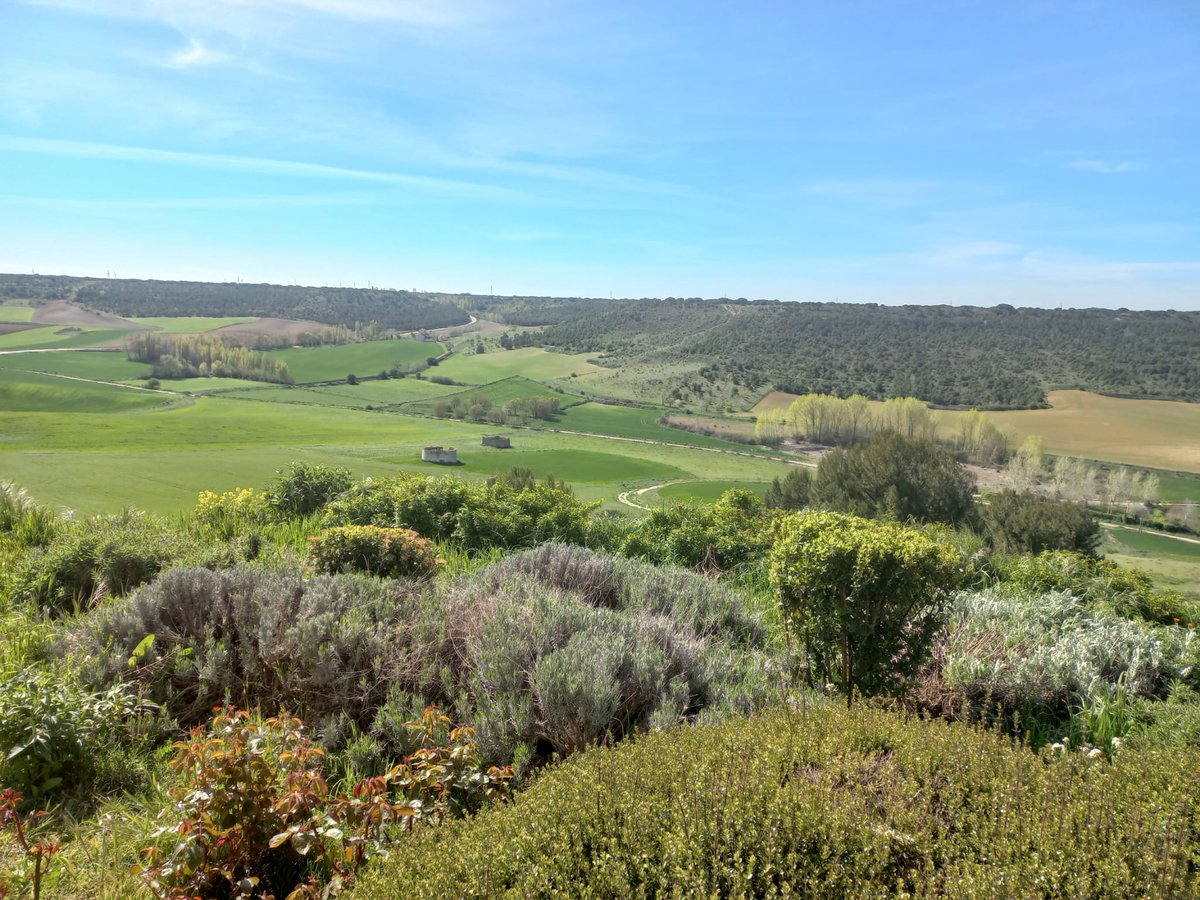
1172 563
529 362
212 385
48 336
573 466
190 324
33 392
498 393
98 447
707 491
374 394
634 422
1178 488
103 365
15 312
335 362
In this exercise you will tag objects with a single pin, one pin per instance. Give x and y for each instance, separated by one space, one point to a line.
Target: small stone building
446 456
499 441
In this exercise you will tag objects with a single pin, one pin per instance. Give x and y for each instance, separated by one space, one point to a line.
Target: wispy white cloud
197 54
427 13
1100 166
108 206
254 165
889 192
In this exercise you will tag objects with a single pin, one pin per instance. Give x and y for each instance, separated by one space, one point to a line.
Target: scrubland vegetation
426 686
362 679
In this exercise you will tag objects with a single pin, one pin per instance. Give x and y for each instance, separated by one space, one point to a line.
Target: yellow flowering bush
229 513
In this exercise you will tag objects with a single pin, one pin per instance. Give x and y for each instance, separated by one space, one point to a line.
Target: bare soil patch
14 327
277 329
60 312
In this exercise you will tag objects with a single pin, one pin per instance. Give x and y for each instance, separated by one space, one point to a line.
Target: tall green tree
892 476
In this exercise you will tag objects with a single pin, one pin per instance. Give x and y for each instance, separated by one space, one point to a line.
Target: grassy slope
31 392
632 422
336 362
60 444
105 365
1171 563
530 362
35 338
705 491
14 312
499 393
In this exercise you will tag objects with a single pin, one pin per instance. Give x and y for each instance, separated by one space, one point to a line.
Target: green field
497 393
1178 488
705 491
529 362
637 423
1172 563
99 447
104 365
15 312
306 364
364 395
48 336
25 392
574 466
190 324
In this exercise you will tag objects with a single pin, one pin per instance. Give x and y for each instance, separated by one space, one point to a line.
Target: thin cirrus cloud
255 165
1101 166
428 13
197 54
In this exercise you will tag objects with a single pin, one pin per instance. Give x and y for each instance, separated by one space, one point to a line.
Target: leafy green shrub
385 552
253 813
232 513
428 505
722 536
1027 523
500 516
37 855
866 598
1099 582
827 802
302 488
51 731
29 524
97 557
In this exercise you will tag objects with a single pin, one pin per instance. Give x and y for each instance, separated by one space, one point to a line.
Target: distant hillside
954 356
403 310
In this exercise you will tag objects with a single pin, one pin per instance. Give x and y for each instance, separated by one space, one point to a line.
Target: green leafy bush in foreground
827 802
51 732
384 552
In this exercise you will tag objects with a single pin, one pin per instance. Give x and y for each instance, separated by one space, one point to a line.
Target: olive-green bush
374 550
823 802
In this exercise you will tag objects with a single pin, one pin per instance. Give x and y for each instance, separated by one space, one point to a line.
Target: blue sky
1034 153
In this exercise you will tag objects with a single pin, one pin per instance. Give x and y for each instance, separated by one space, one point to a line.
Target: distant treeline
998 357
400 310
203 355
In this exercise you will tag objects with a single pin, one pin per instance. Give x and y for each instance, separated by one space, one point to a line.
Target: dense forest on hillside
403 310
952 356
